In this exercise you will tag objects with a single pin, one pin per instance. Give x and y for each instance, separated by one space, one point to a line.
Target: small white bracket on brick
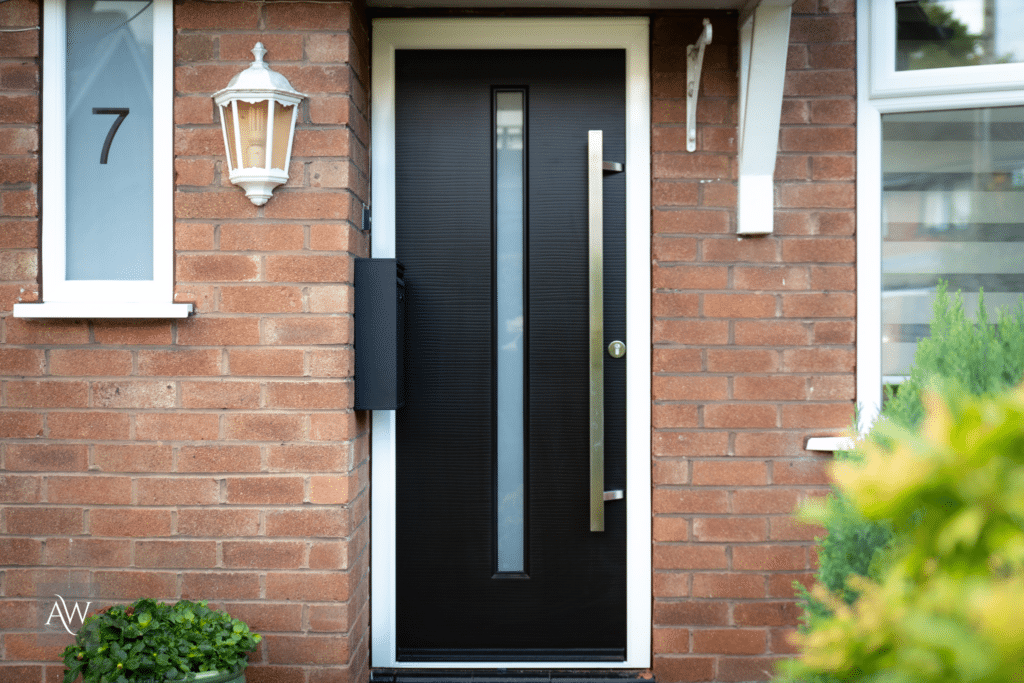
830 443
694 64
764 46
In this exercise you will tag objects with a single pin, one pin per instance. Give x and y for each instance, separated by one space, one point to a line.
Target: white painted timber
764 43
750 5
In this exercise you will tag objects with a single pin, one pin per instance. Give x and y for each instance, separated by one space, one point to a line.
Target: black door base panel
507 676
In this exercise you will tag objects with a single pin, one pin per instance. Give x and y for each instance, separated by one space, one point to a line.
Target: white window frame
631 34
883 90
63 298
887 82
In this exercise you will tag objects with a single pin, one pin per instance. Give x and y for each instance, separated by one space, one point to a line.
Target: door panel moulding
632 35
764 43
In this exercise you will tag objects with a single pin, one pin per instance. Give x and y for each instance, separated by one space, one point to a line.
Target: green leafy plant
155 642
944 608
965 358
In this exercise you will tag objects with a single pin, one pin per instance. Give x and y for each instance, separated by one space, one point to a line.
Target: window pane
952 209
932 34
509 199
109 172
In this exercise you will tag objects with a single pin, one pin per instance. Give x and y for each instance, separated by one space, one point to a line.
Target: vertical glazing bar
509 200
269 154
238 135
227 145
595 202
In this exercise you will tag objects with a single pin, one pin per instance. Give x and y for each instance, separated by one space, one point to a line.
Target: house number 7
122 114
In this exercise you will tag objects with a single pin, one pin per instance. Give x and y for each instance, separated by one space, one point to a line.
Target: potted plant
152 642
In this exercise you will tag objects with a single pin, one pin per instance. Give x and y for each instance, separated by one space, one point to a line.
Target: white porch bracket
694 64
764 45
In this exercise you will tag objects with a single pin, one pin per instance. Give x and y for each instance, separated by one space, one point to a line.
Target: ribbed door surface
568 603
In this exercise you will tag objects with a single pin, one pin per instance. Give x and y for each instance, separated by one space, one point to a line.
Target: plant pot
236 676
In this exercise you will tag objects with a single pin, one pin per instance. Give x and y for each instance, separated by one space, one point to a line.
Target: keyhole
617 349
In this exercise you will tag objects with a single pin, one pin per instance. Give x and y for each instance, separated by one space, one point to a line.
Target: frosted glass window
509 200
952 209
934 34
109 119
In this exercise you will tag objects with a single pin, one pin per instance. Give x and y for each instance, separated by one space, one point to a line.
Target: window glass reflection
933 34
952 209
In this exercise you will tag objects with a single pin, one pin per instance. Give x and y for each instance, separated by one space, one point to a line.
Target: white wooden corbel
764 46
694 63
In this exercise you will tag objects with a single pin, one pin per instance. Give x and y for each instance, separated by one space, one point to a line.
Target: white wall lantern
257 116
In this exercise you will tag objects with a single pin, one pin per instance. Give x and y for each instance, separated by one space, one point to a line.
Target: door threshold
383 675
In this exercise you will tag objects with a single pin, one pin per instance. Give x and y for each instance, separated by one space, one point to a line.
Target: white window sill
829 443
102 309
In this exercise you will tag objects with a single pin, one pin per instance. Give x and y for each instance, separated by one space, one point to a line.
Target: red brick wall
215 457
753 343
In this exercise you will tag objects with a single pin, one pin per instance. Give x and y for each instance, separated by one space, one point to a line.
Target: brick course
218 457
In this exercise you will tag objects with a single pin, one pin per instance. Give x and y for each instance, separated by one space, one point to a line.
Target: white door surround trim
632 35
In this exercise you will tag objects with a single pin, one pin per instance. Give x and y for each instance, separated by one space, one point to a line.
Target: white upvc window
108 213
940 171
940 47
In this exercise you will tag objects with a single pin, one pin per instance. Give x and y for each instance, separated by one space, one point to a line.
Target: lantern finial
258 53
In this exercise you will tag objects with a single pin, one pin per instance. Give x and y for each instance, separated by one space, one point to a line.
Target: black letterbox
380 333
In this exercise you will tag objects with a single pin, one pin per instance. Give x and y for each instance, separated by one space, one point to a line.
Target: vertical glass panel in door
952 210
109 165
934 34
509 198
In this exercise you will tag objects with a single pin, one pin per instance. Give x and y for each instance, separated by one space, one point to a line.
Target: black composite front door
496 560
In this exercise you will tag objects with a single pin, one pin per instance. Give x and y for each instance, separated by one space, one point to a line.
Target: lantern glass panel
252 129
282 130
228 117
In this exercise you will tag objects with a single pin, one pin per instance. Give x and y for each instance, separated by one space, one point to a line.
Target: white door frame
631 34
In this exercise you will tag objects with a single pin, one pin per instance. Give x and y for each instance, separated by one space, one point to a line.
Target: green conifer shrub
945 607
966 358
